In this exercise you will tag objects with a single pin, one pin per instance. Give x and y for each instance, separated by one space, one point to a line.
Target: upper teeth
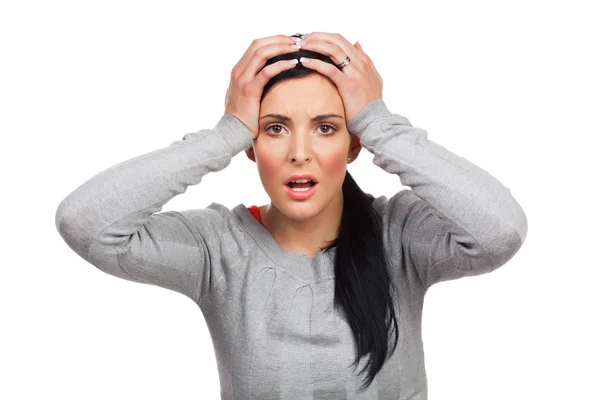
301 180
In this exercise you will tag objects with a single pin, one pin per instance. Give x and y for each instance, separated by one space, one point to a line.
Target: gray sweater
270 311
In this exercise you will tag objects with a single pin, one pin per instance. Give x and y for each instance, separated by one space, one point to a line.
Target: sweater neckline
296 263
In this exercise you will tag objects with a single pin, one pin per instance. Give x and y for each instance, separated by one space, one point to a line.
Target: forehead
311 94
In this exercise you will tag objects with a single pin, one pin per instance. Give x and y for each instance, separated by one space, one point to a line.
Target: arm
112 219
458 220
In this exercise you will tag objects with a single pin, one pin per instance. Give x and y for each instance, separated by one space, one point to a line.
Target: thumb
357 45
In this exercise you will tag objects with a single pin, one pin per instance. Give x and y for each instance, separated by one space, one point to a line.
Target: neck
308 235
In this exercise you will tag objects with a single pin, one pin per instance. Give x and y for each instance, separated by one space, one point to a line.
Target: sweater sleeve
456 219
112 219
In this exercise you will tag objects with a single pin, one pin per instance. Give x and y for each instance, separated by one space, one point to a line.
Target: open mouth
302 186
301 191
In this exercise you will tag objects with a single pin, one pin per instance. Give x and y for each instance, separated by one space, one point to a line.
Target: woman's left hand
358 83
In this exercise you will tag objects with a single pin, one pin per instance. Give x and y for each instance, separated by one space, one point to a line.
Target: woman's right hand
248 78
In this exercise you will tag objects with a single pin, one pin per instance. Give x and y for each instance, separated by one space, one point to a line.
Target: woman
299 293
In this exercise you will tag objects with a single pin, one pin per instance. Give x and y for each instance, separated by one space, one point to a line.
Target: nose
301 149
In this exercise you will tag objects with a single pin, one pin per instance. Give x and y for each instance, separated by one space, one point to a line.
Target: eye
332 127
278 126
267 129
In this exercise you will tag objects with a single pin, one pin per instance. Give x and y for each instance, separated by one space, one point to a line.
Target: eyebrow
286 118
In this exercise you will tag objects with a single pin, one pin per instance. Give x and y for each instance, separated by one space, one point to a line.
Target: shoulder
405 212
218 228
400 216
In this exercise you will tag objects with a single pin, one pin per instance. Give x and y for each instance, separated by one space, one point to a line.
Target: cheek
269 166
334 162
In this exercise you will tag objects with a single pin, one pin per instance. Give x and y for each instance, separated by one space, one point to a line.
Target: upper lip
302 176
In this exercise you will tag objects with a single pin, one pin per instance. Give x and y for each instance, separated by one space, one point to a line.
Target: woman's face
301 144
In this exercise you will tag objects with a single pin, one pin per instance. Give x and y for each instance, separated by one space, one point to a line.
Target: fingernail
304 60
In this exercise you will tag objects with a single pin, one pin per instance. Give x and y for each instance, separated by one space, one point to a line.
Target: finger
338 39
268 72
258 60
335 52
365 56
257 43
325 68
337 55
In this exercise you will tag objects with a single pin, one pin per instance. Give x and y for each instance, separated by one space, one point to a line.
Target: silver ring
344 63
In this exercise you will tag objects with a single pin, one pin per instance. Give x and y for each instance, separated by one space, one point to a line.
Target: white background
512 86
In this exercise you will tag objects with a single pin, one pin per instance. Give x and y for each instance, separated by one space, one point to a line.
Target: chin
299 210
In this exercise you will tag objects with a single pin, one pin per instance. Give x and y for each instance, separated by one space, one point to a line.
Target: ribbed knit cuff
237 136
368 114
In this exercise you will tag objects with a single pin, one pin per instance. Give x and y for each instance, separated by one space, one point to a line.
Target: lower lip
301 195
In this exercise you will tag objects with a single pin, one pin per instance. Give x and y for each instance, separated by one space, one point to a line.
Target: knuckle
264 72
246 90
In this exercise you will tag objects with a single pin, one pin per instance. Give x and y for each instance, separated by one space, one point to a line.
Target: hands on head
358 83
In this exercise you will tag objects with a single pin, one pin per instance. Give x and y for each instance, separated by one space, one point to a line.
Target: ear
354 149
250 154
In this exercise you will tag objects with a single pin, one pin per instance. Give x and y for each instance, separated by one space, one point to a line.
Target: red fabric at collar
255 212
